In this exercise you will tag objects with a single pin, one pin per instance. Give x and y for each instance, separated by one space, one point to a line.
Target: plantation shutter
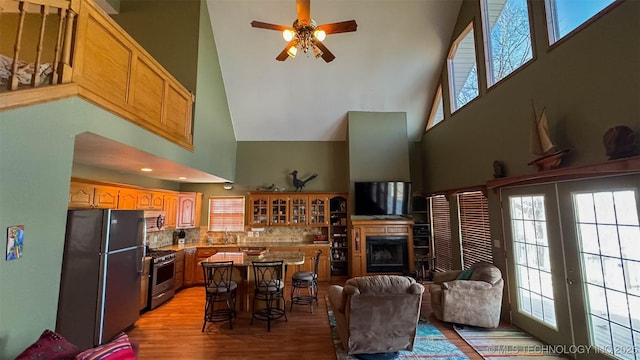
474 228
441 233
226 213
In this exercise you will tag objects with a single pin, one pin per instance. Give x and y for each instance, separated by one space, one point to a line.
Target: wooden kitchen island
243 272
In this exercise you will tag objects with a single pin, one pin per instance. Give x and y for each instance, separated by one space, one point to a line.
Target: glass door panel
604 276
535 257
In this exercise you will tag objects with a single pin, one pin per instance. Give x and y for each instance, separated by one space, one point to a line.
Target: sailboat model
549 155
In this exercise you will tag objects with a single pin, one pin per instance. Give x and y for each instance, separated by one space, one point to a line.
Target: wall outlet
496 243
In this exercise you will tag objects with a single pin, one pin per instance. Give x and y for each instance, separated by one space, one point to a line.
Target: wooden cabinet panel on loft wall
113 71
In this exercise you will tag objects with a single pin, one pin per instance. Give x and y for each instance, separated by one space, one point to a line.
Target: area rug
430 343
508 343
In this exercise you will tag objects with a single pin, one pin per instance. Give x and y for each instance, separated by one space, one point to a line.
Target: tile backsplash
279 234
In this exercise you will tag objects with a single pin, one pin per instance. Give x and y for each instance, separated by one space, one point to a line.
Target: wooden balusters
65 66
62 14
35 78
13 84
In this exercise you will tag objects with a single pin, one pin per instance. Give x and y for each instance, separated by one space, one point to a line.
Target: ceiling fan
305 35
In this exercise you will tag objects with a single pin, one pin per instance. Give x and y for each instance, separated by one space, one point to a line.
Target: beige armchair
476 301
377 314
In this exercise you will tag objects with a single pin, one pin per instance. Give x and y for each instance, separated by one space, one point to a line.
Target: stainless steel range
161 284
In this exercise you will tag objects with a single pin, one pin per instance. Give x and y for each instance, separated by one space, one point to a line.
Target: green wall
36 155
168 30
262 163
588 83
378 146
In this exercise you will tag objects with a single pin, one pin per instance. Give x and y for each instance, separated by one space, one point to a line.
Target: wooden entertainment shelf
363 226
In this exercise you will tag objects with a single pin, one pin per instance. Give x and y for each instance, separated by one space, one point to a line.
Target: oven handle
165 263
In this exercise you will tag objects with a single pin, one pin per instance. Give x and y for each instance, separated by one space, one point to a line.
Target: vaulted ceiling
391 63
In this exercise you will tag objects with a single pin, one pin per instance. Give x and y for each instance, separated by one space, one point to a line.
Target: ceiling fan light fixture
293 50
320 34
317 52
288 34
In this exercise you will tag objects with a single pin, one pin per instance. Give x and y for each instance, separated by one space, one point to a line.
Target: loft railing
75 49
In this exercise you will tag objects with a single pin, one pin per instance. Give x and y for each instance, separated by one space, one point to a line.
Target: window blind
441 233
473 210
226 213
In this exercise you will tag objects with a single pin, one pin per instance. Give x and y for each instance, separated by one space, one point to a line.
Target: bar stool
220 290
308 280
269 288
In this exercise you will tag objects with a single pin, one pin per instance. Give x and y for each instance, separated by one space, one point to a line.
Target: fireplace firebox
387 254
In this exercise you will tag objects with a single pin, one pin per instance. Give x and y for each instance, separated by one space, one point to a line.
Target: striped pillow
118 349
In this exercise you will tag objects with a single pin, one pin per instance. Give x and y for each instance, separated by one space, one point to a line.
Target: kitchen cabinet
309 210
189 210
323 263
170 207
202 254
288 209
279 209
178 277
149 200
299 206
128 199
319 207
258 210
86 195
189 266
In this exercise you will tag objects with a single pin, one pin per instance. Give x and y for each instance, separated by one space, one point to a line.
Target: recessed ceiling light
182 178
146 169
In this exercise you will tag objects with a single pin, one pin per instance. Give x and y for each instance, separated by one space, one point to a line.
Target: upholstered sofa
377 314
470 297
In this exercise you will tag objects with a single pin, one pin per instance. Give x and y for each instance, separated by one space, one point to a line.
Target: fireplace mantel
363 226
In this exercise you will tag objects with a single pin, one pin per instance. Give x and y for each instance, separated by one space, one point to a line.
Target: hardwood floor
172 331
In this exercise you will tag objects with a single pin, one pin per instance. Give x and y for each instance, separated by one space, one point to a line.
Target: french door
574 261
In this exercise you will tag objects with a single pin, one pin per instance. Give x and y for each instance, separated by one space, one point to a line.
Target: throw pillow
118 349
465 275
50 346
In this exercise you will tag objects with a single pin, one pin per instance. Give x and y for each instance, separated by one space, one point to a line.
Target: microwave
154 220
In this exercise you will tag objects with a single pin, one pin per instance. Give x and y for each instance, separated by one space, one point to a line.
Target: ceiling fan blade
339 27
304 12
283 54
326 54
264 25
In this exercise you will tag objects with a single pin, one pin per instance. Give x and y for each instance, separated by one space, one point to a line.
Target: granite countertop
268 244
239 258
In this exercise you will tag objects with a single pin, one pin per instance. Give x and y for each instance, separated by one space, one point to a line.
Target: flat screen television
382 197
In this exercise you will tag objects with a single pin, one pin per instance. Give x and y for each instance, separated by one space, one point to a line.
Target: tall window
441 233
475 234
565 16
226 213
507 34
463 70
437 113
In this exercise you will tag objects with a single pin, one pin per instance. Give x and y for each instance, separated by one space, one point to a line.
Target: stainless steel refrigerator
101 271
